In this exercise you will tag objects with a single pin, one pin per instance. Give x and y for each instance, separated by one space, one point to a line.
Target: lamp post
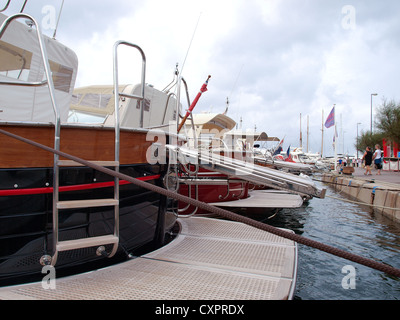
357 141
372 94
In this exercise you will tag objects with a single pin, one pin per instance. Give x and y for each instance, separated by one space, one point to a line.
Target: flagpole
322 140
334 117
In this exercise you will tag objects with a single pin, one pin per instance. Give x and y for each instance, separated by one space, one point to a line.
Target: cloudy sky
274 59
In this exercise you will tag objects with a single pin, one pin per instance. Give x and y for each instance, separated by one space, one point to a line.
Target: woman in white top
377 158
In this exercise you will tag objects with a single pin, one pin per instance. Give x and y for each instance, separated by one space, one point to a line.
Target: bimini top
210 121
21 61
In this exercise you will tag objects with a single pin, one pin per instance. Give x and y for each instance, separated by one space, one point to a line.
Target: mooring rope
221 212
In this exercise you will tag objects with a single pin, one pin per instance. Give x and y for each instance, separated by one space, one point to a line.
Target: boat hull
212 192
26 201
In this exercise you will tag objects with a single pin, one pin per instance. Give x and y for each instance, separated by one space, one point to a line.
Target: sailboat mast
322 140
301 134
336 138
308 131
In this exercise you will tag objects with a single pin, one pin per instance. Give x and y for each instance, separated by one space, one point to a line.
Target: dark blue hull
26 220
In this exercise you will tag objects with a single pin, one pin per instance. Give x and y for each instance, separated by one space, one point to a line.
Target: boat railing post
6 6
117 96
57 123
170 95
116 80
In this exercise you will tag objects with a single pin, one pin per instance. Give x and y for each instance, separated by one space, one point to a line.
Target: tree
388 120
368 139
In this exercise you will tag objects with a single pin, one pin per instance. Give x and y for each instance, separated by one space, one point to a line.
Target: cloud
274 59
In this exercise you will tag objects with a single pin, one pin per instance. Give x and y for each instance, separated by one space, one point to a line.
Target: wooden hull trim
89 143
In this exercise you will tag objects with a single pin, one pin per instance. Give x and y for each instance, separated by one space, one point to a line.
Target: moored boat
220 157
54 211
203 184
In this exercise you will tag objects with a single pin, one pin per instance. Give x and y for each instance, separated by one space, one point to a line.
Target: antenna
191 41
237 80
227 107
23 6
58 20
233 89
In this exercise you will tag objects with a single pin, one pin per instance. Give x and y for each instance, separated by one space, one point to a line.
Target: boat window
62 76
94 100
15 62
81 117
76 98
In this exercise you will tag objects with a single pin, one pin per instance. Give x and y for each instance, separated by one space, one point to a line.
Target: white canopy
21 61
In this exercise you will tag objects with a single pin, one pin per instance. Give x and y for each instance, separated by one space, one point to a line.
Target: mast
308 131
322 141
336 138
58 19
301 135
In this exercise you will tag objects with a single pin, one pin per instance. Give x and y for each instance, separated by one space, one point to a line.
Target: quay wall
380 194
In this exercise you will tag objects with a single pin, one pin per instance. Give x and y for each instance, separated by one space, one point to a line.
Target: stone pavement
386 176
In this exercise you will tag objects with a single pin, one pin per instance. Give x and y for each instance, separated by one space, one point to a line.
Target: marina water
351 227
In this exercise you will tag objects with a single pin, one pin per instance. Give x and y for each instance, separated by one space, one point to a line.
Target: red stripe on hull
24 192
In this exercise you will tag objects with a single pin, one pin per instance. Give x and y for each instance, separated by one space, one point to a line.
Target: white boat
230 152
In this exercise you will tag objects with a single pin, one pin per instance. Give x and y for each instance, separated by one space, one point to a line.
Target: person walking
377 158
368 161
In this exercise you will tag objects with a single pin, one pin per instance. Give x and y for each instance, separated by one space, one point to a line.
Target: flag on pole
277 151
330 122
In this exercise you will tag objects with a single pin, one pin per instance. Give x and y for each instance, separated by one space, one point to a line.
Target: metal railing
118 94
50 84
8 3
57 205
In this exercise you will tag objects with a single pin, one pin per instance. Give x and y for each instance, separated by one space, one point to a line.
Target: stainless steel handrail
116 80
117 96
6 6
166 106
24 84
57 124
8 3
